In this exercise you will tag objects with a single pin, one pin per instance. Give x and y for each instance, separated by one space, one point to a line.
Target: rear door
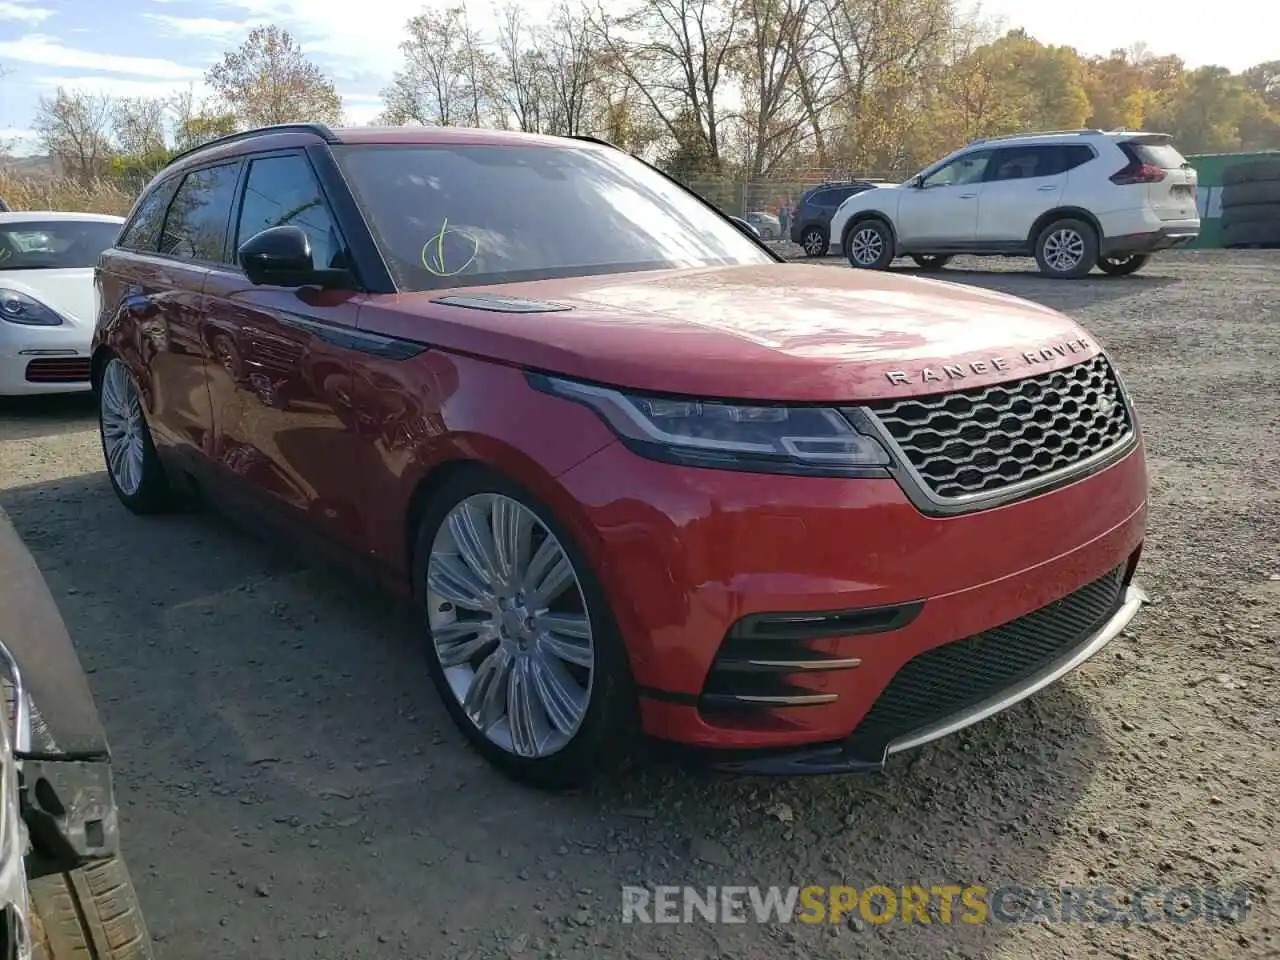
279 373
1021 183
1168 179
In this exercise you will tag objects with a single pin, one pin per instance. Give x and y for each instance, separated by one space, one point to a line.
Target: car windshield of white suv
54 244
460 215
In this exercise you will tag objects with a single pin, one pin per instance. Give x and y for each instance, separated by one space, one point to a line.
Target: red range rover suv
633 470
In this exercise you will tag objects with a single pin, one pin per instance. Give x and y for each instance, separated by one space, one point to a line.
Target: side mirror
918 182
282 257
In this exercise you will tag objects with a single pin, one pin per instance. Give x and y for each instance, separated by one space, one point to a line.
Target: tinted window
282 191
143 232
1161 155
196 227
1075 155
1047 160
960 171
54 244
448 215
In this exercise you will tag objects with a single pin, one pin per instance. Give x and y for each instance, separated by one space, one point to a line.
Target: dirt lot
292 788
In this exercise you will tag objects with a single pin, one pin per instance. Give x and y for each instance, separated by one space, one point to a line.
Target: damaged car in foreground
632 468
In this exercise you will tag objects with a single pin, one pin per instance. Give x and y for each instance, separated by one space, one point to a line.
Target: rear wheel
133 466
814 241
1123 266
930 261
91 913
1067 249
522 646
870 245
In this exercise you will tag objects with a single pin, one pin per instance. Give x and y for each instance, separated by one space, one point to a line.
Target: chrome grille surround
966 448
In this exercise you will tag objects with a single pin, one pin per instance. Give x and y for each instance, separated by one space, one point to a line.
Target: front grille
956 676
58 370
982 440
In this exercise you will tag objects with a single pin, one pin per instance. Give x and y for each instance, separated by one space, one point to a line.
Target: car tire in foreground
1067 249
930 261
521 644
90 913
814 242
1123 266
133 466
869 245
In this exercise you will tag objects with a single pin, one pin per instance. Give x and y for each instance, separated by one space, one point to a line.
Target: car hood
69 292
767 332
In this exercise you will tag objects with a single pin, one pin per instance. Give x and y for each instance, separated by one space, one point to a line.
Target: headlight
18 307
767 439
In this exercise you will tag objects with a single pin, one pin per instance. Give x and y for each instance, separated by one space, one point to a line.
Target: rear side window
143 232
1163 155
282 191
196 227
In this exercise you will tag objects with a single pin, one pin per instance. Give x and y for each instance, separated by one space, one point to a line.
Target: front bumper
845 757
41 360
688 556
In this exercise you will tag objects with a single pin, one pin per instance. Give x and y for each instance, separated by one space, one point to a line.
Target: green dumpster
1209 169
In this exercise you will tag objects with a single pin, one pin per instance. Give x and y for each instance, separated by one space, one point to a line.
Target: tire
815 242
1251 213
142 486
91 913
1251 235
930 261
1251 171
1246 194
1123 266
1067 249
607 728
869 245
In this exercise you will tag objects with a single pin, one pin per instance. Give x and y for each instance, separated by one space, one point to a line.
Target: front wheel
870 245
521 645
1067 249
90 913
1122 266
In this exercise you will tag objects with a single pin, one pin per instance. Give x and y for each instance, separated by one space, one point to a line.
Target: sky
159 47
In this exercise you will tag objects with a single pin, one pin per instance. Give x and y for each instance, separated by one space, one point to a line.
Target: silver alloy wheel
866 246
1063 249
813 243
510 625
123 427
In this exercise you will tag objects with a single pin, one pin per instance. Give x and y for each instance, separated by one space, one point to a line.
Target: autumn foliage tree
269 80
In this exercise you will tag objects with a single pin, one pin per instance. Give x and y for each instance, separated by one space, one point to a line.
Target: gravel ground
291 787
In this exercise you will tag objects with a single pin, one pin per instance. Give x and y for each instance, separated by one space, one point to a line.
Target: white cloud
121 86
47 52
24 11
210 27
360 109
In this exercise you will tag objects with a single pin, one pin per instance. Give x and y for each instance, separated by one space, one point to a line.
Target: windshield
54 244
451 215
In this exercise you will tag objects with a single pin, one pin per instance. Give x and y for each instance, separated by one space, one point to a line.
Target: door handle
967 196
1047 187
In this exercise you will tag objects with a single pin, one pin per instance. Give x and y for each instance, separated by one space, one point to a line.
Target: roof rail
1038 133
319 129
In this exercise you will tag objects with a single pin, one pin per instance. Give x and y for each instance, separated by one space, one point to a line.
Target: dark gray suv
811 216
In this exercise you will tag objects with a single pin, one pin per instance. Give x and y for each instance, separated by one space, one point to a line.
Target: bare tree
196 122
574 64
677 54
138 125
269 80
780 35
442 80
75 128
522 76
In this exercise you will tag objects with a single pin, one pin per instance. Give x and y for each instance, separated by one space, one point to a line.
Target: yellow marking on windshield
436 266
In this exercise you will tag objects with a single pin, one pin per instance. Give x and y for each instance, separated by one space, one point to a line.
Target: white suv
1072 199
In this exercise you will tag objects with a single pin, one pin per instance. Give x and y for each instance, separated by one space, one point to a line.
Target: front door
279 374
942 212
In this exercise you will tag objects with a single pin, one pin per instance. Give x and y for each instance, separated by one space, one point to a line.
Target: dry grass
60 193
